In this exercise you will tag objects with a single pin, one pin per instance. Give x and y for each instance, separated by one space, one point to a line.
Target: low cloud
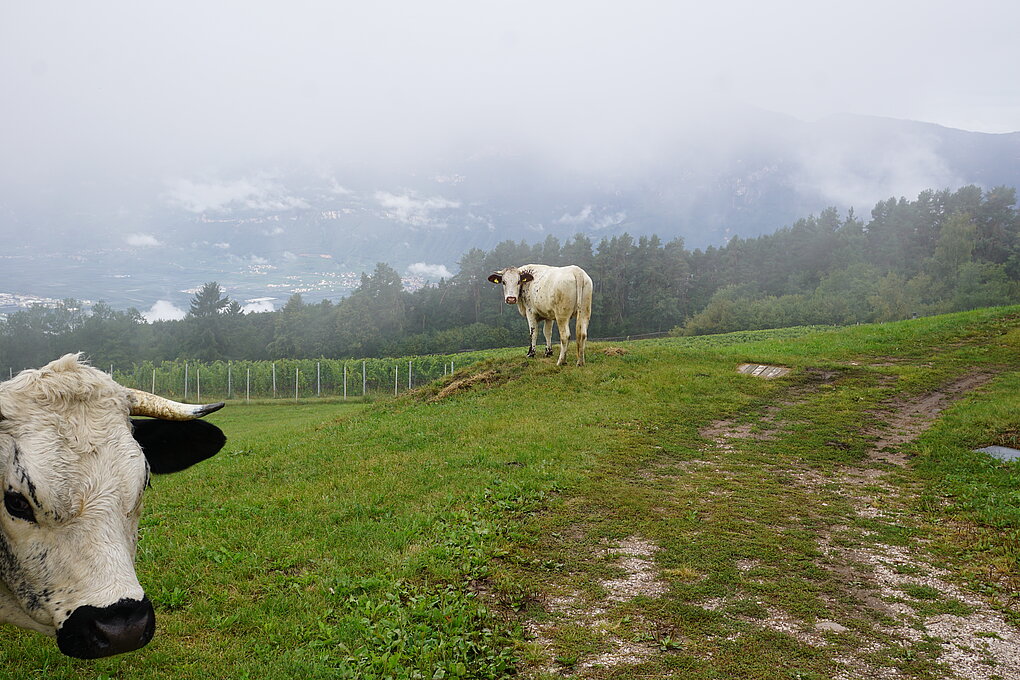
415 210
338 189
432 271
164 310
593 218
580 218
258 305
858 168
258 193
142 241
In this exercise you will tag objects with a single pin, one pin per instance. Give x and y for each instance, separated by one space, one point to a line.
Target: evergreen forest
945 251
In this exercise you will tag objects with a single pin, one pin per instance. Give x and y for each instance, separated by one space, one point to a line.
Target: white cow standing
544 293
74 466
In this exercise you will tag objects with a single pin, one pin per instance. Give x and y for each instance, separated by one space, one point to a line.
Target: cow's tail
582 285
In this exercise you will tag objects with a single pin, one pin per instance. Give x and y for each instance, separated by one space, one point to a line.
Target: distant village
12 302
333 285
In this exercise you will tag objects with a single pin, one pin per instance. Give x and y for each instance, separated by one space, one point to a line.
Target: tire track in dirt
634 556
974 641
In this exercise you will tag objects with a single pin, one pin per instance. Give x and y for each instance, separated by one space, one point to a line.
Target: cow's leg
563 323
581 329
548 337
533 329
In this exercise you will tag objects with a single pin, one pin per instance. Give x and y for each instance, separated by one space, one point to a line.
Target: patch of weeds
745 607
222 555
668 643
932 604
514 594
913 660
906 569
888 533
1009 437
410 633
574 641
921 592
169 599
434 624
951 606
683 574
567 661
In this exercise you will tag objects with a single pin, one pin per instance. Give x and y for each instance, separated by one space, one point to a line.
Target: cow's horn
147 404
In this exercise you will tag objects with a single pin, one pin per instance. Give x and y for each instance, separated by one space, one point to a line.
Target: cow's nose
92 632
510 299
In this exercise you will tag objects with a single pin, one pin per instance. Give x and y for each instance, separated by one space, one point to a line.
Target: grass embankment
652 514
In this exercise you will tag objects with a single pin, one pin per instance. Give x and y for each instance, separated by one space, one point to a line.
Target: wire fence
287 379
295 379
194 381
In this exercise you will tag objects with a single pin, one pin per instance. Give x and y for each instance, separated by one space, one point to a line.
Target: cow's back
558 291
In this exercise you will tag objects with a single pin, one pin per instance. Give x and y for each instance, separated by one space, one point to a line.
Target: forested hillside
945 251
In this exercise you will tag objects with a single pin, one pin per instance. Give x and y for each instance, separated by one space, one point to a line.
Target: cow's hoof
531 354
548 353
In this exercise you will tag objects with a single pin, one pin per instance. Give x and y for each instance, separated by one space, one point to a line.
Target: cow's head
511 279
74 466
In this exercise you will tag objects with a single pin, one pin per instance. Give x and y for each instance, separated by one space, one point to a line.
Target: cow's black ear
527 276
495 278
171 446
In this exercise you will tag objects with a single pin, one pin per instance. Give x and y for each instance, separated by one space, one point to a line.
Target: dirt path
909 600
975 641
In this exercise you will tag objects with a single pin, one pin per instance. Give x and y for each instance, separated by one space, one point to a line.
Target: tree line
945 251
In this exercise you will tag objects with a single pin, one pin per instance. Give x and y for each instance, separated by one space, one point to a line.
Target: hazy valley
265 233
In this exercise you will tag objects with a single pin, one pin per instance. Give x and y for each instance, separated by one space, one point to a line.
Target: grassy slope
330 540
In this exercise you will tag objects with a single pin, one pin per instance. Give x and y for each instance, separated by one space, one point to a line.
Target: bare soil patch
766 426
640 578
897 582
893 600
908 418
489 378
895 587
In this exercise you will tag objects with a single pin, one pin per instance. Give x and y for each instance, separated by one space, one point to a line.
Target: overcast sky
174 88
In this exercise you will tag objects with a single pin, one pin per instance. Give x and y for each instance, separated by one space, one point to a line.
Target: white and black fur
74 466
544 294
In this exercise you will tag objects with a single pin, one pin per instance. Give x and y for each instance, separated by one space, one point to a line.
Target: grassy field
652 514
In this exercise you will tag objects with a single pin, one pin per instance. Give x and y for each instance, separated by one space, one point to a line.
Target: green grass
415 537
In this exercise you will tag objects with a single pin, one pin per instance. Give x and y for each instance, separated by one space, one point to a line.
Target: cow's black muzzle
92 632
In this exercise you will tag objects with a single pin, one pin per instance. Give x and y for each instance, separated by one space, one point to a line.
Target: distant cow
74 467
544 293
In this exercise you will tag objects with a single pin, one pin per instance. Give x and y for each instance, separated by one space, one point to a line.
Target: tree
954 248
982 284
205 337
208 301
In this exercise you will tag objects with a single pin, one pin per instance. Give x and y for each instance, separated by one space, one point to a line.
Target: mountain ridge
742 175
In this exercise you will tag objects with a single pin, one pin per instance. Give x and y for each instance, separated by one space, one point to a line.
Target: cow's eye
18 506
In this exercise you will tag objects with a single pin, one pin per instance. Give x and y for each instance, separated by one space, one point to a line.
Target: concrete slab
764 371
1001 452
